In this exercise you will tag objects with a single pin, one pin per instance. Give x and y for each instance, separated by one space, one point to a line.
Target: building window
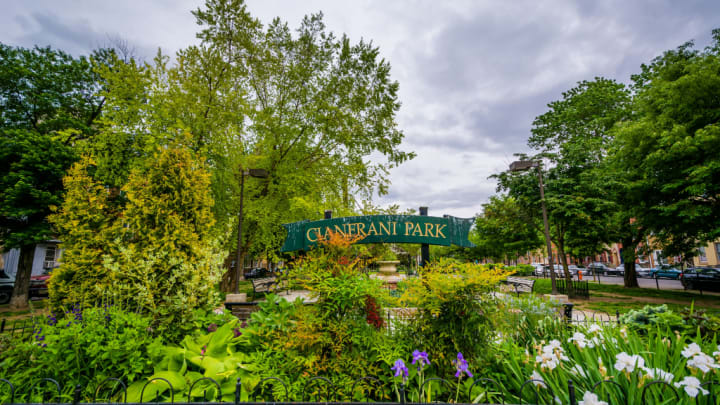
50 252
703 254
717 252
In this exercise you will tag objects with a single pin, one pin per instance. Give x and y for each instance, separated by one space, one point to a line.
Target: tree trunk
563 259
21 291
629 255
227 284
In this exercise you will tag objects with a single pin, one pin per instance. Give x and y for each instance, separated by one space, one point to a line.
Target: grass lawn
612 297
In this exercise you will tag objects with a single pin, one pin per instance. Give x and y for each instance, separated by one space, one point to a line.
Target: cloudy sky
473 74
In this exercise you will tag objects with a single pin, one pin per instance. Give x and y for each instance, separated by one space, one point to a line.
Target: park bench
265 284
520 284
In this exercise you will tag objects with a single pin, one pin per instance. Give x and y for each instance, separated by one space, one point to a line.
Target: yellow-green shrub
452 309
154 250
86 225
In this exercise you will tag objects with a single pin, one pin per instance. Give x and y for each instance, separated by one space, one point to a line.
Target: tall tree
32 166
573 137
48 101
671 146
503 231
308 107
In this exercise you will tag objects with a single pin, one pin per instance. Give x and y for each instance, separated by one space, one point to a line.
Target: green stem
457 391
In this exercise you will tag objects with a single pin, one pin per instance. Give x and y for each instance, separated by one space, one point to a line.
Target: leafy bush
151 246
85 223
699 320
85 348
527 319
452 309
521 270
211 354
653 317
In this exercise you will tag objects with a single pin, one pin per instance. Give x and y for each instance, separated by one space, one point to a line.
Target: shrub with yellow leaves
453 309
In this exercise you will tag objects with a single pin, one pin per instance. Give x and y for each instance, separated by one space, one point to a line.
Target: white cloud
473 74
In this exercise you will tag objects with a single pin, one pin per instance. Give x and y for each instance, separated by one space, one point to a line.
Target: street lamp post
258 173
522 165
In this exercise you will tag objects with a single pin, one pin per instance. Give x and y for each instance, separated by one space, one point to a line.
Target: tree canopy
672 145
48 100
503 231
305 105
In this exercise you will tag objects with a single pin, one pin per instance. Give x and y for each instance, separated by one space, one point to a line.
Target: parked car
6 287
642 272
545 270
577 268
665 271
601 268
38 284
701 278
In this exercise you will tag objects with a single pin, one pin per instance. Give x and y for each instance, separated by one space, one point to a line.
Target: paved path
294 294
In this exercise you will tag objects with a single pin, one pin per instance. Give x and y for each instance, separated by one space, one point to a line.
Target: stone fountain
388 273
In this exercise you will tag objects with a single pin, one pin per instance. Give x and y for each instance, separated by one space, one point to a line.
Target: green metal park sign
382 229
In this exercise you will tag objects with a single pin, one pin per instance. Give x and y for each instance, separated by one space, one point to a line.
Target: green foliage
203 355
85 348
586 355
49 91
344 324
521 270
32 166
670 147
48 100
86 224
155 252
653 317
169 262
527 319
574 137
334 274
303 104
504 231
452 310
706 324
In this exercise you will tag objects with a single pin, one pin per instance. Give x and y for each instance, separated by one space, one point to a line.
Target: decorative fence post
568 311
76 396
238 388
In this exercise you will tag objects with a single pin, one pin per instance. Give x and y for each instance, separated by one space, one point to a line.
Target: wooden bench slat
521 284
264 284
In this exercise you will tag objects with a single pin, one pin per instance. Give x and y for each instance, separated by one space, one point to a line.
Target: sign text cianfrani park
382 229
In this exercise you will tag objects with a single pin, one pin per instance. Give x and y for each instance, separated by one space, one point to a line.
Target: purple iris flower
236 332
400 369
52 319
421 358
212 327
462 366
202 351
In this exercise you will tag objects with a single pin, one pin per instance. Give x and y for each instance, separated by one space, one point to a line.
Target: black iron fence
580 288
18 328
320 390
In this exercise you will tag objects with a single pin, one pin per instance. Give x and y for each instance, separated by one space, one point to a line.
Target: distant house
47 256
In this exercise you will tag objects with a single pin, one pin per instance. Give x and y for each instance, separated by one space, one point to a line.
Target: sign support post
424 248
